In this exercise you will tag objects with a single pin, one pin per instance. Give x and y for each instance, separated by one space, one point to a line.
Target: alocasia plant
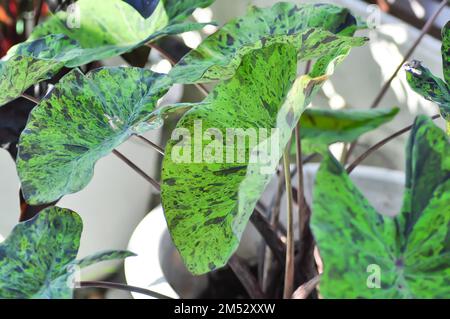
87 34
411 251
208 204
38 259
428 85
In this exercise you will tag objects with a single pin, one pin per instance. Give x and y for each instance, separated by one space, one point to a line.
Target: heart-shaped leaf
367 255
431 87
88 31
83 119
210 184
37 260
323 127
304 26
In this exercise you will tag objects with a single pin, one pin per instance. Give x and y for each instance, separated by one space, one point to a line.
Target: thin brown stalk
245 276
289 267
380 144
37 13
133 166
156 147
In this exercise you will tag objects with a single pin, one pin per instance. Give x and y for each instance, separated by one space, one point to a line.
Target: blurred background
117 199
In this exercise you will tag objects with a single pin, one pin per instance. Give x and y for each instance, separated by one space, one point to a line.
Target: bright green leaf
409 254
305 26
37 260
323 127
208 200
81 121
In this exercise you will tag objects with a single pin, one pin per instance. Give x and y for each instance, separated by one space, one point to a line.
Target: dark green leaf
37 260
411 251
79 122
208 201
305 26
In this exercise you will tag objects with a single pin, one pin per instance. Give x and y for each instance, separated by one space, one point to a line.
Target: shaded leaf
31 62
79 122
305 26
323 127
37 260
95 30
411 251
208 201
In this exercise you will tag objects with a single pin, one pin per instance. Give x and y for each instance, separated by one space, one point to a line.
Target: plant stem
30 98
137 170
383 142
269 233
156 147
246 278
113 285
306 289
289 267
387 85
37 13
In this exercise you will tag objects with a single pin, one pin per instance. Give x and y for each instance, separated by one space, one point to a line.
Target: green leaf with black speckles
31 62
431 87
37 260
82 120
210 186
95 31
305 26
410 252
323 127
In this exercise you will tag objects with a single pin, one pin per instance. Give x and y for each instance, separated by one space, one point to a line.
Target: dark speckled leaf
79 122
430 86
95 31
323 127
37 260
305 26
207 202
411 251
